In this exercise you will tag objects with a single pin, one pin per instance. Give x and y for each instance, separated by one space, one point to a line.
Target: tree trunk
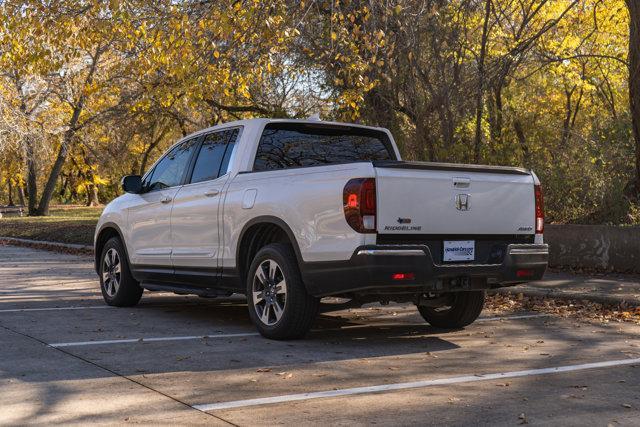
47 193
481 77
92 191
92 196
21 195
157 137
634 79
498 116
50 186
522 140
568 112
10 188
32 175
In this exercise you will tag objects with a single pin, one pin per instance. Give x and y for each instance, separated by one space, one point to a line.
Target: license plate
459 250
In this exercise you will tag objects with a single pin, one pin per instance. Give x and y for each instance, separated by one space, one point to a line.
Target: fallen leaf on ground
509 303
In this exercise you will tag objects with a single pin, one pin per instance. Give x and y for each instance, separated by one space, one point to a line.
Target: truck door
149 225
195 235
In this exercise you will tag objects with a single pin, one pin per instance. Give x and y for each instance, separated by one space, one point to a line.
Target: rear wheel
279 304
118 286
462 309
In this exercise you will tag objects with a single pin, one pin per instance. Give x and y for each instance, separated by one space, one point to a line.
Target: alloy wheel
269 291
111 272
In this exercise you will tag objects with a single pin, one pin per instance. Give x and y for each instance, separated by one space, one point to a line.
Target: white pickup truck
290 211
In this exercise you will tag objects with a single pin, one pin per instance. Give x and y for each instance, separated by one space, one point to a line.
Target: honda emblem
462 201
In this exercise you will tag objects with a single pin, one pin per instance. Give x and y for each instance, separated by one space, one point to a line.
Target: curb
43 244
564 295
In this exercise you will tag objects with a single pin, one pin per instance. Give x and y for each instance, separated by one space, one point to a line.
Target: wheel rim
111 272
269 291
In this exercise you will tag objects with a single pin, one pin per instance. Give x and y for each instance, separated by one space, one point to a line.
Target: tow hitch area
460 282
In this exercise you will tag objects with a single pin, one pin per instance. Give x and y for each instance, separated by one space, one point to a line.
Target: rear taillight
359 199
539 209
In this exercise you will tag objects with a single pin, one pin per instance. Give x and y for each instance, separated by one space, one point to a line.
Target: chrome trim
466 265
521 251
392 252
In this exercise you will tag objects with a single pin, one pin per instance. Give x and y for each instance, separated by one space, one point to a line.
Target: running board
185 290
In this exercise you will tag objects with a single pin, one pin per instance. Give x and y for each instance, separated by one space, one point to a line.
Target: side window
147 179
214 155
231 144
171 169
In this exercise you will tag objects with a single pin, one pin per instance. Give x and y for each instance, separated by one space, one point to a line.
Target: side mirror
132 184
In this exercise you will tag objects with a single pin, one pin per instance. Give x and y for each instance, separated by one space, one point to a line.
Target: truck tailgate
448 199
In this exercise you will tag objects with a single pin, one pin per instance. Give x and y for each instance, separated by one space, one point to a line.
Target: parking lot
65 357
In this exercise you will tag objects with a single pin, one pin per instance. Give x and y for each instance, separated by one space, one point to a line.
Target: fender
270 220
114 226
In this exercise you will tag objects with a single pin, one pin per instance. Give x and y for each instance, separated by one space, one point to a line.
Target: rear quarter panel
308 200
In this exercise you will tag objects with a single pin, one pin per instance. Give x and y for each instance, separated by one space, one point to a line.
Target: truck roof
263 121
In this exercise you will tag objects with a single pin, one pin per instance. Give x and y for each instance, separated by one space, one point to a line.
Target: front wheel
118 286
279 304
462 310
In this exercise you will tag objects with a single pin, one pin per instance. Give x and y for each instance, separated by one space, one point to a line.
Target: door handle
212 192
165 199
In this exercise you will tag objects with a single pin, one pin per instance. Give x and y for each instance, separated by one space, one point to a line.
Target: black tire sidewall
129 291
298 306
465 309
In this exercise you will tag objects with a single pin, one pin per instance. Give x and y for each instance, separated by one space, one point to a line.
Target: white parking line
480 319
251 334
408 385
17 310
516 317
153 339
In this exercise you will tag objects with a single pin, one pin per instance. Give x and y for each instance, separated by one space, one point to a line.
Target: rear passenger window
288 145
233 136
214 155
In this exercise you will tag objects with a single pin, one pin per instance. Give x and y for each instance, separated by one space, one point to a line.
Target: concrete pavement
607 288
65 358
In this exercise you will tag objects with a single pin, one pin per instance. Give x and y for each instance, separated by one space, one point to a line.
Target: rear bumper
371 270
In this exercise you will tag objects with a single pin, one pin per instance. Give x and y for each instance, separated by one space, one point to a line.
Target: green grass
65 224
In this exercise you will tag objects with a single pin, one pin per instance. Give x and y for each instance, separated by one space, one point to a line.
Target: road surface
65 357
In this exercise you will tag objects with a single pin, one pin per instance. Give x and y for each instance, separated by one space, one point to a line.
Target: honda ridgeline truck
289 211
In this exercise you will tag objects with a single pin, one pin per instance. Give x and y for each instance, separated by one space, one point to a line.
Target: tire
278 302
463 311
118 286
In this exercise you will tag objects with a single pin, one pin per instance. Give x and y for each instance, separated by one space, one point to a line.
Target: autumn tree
634 79
93 90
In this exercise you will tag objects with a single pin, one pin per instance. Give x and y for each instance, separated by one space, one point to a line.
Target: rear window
293 145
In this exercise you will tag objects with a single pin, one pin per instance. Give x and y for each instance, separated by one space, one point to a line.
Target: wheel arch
257 233
107 231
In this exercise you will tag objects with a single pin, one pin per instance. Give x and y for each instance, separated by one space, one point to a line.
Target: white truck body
471 226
